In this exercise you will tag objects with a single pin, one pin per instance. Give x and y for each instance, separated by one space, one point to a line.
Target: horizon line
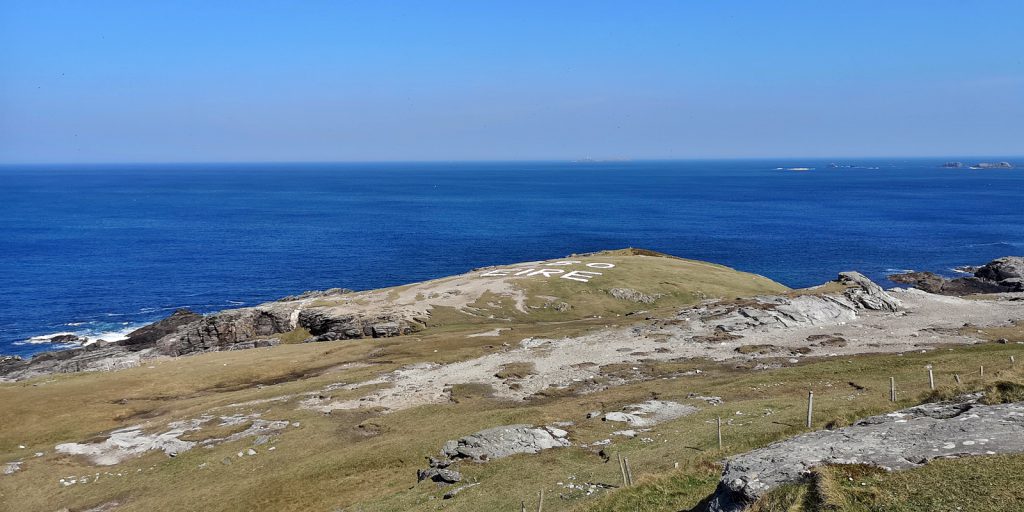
583 160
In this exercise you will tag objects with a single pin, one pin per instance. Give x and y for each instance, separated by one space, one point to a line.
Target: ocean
97 250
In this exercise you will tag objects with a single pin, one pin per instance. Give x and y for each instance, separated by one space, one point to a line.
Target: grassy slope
359 461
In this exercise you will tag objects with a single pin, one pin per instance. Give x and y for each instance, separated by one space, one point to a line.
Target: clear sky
142 81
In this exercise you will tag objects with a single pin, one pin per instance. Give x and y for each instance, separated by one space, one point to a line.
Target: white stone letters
582 276
544 270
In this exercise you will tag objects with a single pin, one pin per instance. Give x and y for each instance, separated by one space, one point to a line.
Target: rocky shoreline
1002 275
340 314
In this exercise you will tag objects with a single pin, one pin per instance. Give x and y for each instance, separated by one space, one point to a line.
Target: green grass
366 461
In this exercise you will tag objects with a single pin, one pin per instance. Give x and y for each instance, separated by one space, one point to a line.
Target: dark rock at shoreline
66 338
998 276
934 283
1010 267
952 165
148 335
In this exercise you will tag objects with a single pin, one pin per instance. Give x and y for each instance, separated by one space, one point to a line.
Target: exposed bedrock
95 357
227 328
900 440
997 276
802 310
499 442
148 335
326 327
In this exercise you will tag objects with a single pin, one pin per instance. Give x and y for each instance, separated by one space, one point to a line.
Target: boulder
498 442
439 475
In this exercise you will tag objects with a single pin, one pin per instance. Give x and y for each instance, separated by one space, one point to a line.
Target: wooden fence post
719 432
931 379
622 469
892 389
540 503
956 377
629 472
810 407
983 371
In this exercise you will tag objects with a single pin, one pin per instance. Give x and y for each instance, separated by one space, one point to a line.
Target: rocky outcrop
95 357
650 413
782 311
952 165
227 328
633 295
498 442
895 441
490 444
326 327
148 335
998 276
866 294
1009 268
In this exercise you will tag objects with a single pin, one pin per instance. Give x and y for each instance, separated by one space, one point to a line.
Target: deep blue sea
102 248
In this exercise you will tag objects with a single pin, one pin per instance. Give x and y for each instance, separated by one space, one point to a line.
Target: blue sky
135 81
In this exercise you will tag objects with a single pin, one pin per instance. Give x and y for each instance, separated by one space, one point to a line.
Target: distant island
980 165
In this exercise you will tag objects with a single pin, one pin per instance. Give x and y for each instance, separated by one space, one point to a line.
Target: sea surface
97 250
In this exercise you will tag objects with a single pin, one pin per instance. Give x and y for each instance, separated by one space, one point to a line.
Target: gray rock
327 327
1009 267
221 330
633 295
148 335
439 475
650 413
867 294
11 468
778 311
85 359
998 276
895 441
498 442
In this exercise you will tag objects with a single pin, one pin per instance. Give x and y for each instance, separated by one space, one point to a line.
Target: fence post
540 503
719 432
892 389
931 379
956 377
622 469
983 371
810 407
629 472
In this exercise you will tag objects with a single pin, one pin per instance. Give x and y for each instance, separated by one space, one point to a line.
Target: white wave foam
45 338
85 338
